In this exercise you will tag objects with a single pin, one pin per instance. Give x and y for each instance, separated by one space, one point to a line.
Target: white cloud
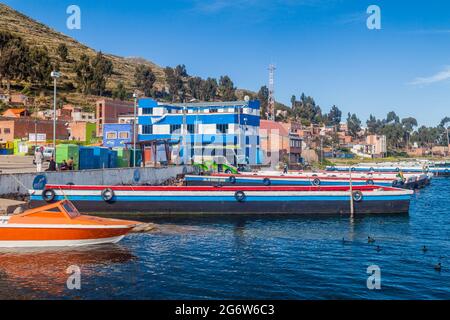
438 77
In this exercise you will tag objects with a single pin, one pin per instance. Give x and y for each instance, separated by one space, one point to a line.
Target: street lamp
134 129
55 75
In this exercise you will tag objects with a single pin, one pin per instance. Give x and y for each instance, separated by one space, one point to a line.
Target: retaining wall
20 183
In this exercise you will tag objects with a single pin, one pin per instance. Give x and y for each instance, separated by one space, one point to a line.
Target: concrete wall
20 183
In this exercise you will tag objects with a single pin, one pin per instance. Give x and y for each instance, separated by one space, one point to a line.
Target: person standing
38 158
52 165
70 163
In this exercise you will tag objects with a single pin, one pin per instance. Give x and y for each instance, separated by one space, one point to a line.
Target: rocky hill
37 34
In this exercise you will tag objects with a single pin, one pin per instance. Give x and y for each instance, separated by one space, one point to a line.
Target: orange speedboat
60 224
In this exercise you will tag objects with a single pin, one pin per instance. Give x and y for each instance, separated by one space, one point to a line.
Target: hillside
37 34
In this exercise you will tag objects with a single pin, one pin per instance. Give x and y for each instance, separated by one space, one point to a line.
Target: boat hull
259 207
57 243
52 236
225 201
245 180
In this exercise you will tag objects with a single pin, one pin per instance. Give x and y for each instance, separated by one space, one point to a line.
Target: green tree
263 97
293 101
145 80
227 89
14 58
445 126
392 117
209 89
334 117
180 71
84 74
41 66
373 125
353 125
194 86
62 51
307 109
120 92
102 69
175 84
408 127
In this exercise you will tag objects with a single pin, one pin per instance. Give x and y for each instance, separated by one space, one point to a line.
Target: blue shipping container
112 161
101 158
86 158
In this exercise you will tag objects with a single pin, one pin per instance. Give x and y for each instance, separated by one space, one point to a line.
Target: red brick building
108 111
18 128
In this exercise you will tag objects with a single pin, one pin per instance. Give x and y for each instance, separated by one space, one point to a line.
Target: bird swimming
370 240
438 267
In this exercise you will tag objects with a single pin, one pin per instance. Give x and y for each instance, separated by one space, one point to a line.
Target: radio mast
271 106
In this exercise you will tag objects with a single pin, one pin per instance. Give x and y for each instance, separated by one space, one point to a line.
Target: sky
320 47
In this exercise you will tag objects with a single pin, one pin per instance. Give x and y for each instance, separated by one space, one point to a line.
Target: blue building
204 131
117 134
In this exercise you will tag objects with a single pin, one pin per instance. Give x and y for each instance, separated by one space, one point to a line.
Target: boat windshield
70 209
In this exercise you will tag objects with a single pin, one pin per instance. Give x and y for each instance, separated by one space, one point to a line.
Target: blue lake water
253 258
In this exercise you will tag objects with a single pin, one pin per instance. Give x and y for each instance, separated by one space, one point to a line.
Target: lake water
253 258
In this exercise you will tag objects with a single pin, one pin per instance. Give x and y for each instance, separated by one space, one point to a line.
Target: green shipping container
20 147
138 157
123 157
67 151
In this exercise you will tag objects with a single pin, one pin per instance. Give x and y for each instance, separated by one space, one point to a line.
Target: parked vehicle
47 152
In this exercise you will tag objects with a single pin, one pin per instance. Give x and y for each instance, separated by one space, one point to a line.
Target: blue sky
320 47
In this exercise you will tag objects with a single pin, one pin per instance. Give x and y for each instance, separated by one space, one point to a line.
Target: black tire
316 182
370 182
267 182
397 169
71 184
48 195
371 169
240 196
108 195
228 171
232 179
357 196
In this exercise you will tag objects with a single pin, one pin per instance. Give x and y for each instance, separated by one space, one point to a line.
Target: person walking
38 158
285 169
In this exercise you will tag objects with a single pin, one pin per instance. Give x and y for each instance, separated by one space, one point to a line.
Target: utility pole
448 138
55 75
271 111
185 133
134 129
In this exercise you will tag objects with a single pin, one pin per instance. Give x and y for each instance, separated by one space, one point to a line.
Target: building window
111 135
124 135
213 110
175 127
147 111
6 131
222 128
247 140
147 129
191 128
